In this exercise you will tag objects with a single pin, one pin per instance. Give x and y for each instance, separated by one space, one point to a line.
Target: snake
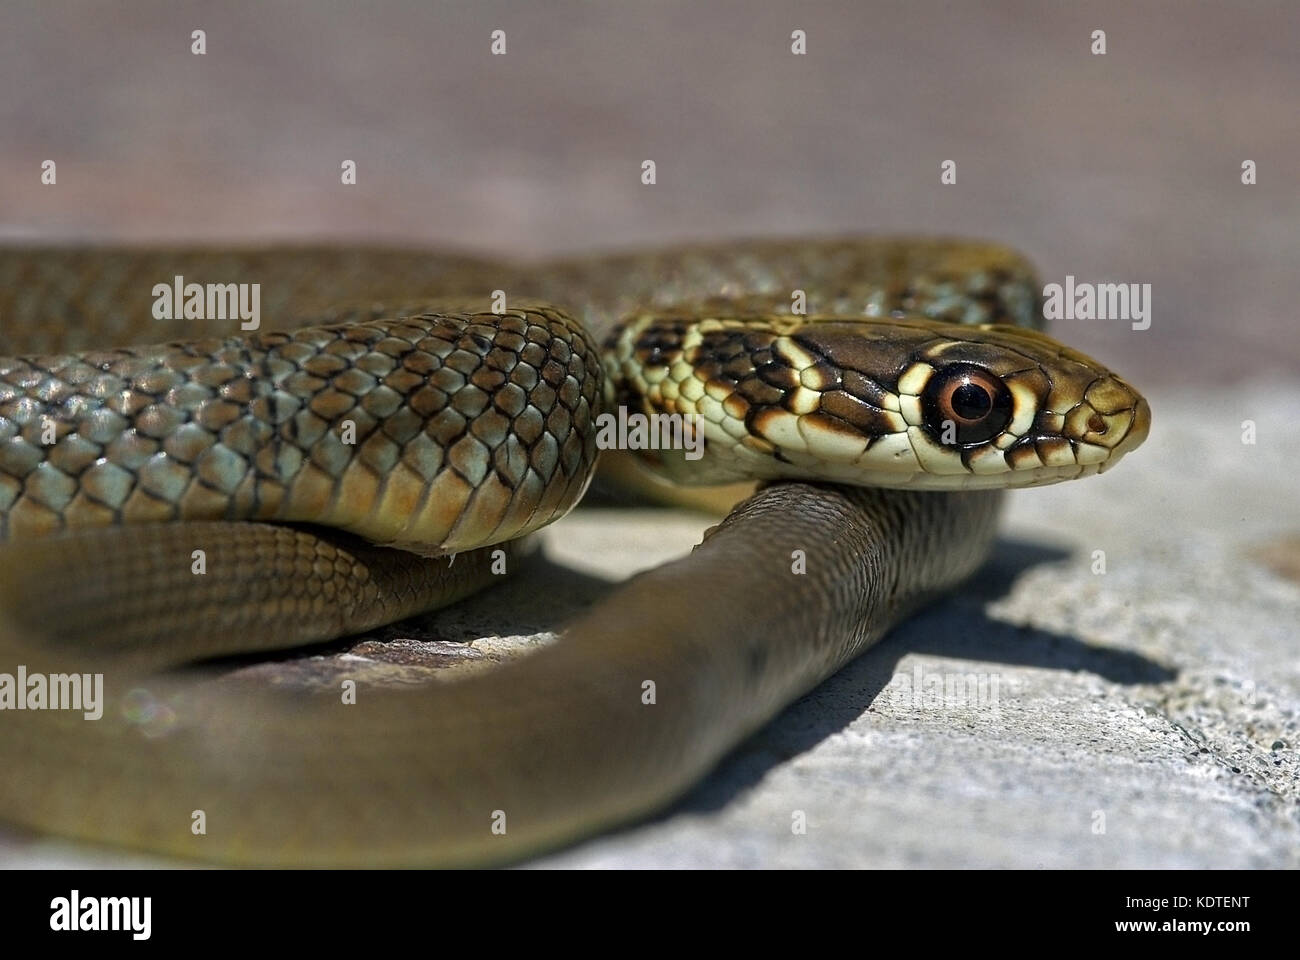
396 431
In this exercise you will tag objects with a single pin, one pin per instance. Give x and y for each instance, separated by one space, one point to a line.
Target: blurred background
1124 167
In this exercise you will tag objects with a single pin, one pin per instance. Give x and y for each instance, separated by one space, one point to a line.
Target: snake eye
974 401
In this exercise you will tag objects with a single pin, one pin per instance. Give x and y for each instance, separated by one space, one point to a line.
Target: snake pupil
971 402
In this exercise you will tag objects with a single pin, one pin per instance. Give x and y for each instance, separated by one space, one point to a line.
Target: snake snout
1137 431
1112 416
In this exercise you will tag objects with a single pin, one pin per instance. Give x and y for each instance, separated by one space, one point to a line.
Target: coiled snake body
915 368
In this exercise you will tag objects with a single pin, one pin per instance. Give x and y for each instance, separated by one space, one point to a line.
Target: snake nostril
1096 424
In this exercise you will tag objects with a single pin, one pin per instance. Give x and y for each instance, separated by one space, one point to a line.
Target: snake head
911 403
998 405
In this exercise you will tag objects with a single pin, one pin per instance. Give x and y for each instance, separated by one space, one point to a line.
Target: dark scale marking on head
993 356
779 375
658 344
820 376
737 368
862 417
709 369
723 356
863 388
758 393
854 348
1042 425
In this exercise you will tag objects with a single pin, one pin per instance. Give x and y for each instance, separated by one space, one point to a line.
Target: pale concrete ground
1164 694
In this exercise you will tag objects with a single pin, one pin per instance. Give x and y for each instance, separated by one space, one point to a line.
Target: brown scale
849 347
862 417
757 393
848 376
778 374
